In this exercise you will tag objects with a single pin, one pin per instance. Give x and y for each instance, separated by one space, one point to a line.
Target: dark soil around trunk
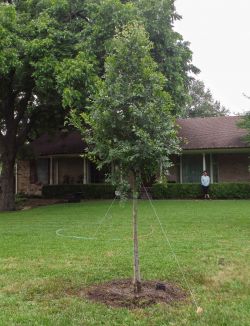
120 293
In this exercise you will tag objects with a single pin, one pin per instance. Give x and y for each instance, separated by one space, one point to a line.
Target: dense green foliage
231 190
169 50
219 191
129 119
36 37
201 102
245 124
88 191
175 190
42 273
53 53
159 191
191 190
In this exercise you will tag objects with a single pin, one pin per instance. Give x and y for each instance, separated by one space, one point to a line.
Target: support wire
172 250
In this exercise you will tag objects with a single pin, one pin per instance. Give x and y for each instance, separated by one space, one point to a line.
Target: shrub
89 191
175 190
230 190
20 198
191 190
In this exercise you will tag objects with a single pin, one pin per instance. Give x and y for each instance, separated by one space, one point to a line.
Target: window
192 166
39 171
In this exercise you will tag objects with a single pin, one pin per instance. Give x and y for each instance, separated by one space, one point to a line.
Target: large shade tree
245 124
202 103
35 37
52 51
129 122
169 50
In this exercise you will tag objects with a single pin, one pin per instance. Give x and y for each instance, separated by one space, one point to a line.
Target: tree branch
25 130
77 14
22 106
1 143
8 100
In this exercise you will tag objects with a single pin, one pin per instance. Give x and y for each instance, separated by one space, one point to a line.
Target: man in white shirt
205 182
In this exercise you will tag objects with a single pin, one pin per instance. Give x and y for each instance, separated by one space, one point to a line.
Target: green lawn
42 266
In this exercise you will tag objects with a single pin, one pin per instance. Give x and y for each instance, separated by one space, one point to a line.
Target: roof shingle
59 143
211 133
197 133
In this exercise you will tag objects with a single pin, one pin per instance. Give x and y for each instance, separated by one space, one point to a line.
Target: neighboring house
58 160
213 144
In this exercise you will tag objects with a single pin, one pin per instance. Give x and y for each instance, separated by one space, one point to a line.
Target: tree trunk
137 276
7 195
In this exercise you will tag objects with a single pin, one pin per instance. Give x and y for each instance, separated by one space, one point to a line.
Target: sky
219 33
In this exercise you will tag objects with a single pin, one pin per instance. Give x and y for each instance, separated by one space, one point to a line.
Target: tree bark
137 276
7 195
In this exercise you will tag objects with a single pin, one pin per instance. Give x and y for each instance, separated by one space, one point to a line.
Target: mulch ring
120 293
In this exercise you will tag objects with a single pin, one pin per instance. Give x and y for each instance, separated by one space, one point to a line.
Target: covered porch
215 144
221 165
66 169
32 175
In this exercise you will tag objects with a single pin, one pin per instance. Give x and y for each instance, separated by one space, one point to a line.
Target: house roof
59 143
196 133
212 133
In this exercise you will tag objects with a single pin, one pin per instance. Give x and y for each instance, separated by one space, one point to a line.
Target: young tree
129 121
201 102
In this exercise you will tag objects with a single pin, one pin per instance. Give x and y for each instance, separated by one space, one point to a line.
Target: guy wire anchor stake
199 310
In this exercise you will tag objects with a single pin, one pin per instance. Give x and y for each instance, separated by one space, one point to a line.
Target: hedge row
190 190
88 191
158 191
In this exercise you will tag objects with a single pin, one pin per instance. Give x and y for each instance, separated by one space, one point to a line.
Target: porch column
88 174
84 171
16 179
112 169
181 176
211 168
57 172
204 161
51 170
161 174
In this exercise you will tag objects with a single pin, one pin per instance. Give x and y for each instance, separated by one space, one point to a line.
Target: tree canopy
245 124
169 50
130 115
52 53
202 103
35 38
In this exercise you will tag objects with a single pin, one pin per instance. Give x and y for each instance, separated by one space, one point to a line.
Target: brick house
214 144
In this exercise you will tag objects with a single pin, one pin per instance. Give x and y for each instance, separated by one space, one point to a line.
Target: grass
40 271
